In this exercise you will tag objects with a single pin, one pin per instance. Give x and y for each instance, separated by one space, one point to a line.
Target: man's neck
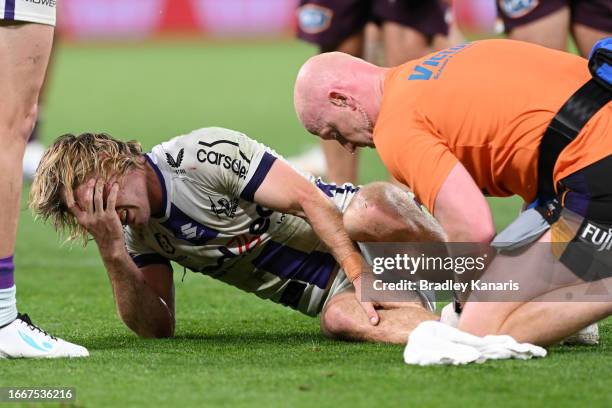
377 94
154 189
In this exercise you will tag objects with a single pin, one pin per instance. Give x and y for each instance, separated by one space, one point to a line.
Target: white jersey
211 225
33 11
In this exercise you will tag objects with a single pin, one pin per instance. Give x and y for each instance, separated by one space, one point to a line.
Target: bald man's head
337 96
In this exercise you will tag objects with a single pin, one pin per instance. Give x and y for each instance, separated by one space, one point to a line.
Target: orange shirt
485 104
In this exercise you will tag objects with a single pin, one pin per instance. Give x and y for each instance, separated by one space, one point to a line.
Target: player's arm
462 209
144 297
285 190
425 162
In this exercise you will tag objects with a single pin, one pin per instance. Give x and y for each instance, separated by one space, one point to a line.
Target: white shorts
33 11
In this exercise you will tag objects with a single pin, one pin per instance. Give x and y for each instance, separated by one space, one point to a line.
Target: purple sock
7 269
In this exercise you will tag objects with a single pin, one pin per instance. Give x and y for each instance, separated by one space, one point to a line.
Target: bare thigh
549 305
24 54
586 37
403 43
342 165
551 31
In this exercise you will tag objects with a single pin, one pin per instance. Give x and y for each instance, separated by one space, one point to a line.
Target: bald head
333 81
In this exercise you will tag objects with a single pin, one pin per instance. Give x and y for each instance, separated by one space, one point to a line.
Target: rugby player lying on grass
219 203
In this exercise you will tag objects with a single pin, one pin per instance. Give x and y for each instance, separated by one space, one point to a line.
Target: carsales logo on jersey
237 166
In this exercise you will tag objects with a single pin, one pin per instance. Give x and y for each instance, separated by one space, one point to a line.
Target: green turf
232 349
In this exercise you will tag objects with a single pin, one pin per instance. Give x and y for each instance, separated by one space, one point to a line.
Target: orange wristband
352 266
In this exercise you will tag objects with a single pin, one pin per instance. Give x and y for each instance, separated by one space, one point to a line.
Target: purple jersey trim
186 228
289 263
332 189
149 259
260 174
9 9
160 177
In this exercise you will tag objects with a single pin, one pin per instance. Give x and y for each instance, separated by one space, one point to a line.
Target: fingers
87 198
98 196
72 206
371 312
112 198
368 307
68 197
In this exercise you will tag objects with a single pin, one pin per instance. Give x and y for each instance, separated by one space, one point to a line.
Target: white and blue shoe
22 339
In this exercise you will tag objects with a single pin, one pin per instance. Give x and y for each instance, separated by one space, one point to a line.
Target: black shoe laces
26 319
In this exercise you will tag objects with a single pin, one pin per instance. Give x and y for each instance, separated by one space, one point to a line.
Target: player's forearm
326 221
140 308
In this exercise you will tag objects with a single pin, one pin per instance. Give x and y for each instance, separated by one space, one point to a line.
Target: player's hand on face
95 213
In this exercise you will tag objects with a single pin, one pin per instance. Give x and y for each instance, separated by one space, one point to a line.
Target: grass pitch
232 349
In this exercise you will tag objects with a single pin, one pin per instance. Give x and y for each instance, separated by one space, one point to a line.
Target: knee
384 212
336 323
17 122
369 215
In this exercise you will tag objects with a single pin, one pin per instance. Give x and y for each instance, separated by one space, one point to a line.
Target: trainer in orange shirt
462 122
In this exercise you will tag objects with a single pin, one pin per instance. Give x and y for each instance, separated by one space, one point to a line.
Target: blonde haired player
26 35
219 203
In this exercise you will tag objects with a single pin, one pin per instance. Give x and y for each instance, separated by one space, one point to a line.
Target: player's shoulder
216 134
201 142
207 136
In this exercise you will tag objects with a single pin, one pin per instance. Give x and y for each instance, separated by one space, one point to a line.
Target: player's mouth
123 216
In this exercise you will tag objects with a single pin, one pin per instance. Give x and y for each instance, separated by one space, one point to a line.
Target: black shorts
328 23
582 230
595 14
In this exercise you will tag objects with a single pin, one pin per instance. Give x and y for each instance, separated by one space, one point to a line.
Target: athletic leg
24 54
343 319
342 166
591 21
547 24
381 212
34 149
403 43
410 29
538 315
586 37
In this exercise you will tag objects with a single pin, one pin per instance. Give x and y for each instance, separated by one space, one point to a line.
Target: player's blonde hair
71 161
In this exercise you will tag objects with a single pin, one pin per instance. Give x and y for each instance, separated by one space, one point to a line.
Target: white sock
8 305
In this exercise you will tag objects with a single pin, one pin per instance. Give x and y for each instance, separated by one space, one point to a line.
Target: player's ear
337 98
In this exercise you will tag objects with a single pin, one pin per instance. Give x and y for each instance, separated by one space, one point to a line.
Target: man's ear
338 98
